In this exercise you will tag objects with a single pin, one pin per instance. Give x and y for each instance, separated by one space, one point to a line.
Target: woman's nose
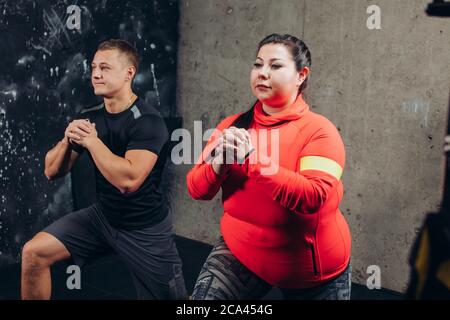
263 73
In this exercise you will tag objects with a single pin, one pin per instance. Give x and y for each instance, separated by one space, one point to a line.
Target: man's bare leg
38 255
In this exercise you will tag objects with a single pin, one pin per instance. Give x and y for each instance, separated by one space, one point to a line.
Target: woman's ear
302 75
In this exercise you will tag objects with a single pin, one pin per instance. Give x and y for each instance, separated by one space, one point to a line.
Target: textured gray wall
386 90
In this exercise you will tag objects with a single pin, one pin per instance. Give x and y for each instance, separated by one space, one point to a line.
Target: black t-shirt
138 127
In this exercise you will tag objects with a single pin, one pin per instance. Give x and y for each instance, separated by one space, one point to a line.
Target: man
124 137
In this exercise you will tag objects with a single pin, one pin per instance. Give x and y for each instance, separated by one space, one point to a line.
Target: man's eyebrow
101 63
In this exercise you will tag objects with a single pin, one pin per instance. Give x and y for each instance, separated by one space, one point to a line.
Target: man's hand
84 134
77 129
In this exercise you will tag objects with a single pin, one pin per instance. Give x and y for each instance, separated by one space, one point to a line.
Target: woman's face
274 78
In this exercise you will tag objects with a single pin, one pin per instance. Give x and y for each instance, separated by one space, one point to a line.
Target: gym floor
108 279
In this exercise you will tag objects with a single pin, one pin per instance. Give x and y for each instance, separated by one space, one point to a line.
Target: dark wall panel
45 80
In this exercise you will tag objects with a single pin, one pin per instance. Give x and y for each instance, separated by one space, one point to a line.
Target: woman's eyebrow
271 60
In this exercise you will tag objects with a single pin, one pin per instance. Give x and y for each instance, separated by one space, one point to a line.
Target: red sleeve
305 191
202 182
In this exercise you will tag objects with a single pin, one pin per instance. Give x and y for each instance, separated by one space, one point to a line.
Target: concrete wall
386 90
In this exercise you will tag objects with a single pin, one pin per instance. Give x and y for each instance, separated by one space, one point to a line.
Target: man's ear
131 72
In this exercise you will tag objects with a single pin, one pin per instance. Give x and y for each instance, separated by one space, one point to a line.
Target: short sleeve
149 132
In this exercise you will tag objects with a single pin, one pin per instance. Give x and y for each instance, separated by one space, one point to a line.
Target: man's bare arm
61 158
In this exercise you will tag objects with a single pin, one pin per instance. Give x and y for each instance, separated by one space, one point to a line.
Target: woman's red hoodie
281 216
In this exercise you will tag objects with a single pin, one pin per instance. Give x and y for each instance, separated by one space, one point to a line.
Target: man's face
111 71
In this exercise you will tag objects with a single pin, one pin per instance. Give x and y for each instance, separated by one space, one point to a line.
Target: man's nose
96 73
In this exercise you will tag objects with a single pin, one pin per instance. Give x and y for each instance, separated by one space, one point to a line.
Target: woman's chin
261 96
269 101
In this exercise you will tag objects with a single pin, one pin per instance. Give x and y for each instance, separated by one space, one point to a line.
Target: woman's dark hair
298 49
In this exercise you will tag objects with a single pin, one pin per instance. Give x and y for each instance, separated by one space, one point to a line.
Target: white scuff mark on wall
56 26
34 83
10 90
418 106
39 47
140 27
327 91
23 61
56 70
155 85
85 67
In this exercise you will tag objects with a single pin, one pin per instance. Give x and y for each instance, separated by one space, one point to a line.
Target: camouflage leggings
223 277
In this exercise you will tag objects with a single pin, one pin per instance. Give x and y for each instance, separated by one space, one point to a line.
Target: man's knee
33 256
41 252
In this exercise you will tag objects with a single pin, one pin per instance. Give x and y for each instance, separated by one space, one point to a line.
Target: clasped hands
81 132
233 146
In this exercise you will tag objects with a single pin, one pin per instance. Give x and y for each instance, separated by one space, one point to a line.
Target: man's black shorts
150 253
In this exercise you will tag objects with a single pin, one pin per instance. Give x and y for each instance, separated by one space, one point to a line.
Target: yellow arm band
322 164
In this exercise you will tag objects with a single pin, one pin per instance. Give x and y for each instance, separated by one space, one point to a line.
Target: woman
281 224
